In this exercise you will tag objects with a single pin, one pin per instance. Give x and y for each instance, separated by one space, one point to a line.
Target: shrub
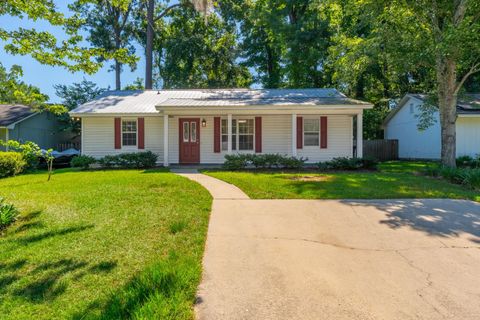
83 162
8 214
262 161
468 162
236 161
464 176
344 163
11 163
134 160
30 151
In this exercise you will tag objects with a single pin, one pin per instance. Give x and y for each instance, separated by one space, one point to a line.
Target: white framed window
129 133
243 134
311 132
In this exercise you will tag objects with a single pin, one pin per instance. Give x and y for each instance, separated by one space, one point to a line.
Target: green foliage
82 161
72 96
8 214
14 90
195 54
30 152
344 163
11 164
44 47
134 160
468 162
465 176
262 161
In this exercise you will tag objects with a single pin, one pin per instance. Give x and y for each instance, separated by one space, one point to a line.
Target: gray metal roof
145 101
10 114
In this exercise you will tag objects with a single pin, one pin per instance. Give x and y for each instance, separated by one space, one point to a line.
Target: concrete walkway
314 259
219 190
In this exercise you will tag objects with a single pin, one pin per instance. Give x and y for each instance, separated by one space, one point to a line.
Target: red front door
189 133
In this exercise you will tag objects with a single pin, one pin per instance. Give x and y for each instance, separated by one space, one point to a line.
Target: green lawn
102 244
392 180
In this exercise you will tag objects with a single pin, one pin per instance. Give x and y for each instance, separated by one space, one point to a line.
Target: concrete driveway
314 259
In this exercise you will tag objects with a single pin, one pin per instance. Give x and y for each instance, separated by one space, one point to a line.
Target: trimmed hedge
344 163
134 160
83 162
11 164
262 161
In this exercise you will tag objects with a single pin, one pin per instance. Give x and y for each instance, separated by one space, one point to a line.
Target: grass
393 180
102 245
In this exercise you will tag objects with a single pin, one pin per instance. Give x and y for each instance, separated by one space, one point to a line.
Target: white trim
129 147
229 132
237 134
165 141
308 117
360 135
81 136
294 134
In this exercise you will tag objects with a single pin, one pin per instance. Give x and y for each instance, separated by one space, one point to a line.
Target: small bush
8 214
468 162
344 163
11 164
134 160
83 162
464 176
30 151
262 161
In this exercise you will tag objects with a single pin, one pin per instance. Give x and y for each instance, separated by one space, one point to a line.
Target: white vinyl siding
468 136
98 138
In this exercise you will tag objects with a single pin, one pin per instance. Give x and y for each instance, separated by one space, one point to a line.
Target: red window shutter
118 133
216 134
299 132
258 134
323 132
141 133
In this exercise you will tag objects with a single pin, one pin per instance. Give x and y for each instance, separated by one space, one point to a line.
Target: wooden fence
68 145
383 150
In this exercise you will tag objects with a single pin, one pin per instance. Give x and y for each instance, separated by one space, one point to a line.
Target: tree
13 90
44 46
72 96
153 12
443 36
193 54
110 28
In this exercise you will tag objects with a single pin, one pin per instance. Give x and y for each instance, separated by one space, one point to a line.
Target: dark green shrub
262 161
468 162
11 163
134 160
464 176
344 163
8 214
236 161
83 162
293 162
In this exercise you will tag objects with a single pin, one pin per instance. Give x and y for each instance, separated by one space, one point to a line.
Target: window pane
311 139
234 142
224 126
311 125
193 132
245 142
129 126
129 139
245 126
186 131
224 142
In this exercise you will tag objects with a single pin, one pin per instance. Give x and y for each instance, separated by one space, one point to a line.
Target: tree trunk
149 45
118 71
447 100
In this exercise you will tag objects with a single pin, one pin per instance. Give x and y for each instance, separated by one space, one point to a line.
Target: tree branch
474 69
166 11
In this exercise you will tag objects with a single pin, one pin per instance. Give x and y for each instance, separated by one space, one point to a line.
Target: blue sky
45 77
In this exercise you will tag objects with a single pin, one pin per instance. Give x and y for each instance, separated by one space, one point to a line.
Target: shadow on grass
50 234
165 290
48 280
443 218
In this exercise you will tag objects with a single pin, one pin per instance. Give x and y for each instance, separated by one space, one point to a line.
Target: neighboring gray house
21 123
401 124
